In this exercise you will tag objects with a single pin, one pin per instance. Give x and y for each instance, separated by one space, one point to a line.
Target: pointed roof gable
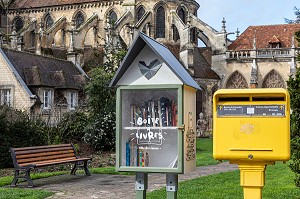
274 40
162 52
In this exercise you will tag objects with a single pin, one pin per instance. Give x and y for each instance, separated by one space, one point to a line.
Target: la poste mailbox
156 116
251 125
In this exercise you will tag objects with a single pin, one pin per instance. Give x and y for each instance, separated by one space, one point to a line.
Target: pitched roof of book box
162 52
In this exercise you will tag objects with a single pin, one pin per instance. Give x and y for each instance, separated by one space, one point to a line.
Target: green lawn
279 182
7 193
279 185
204 152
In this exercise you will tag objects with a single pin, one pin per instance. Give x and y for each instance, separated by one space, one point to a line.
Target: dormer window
275 42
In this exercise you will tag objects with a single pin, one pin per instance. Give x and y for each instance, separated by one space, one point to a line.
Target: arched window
140 13
182 15
79 19
32 38
200 102
18 23
176 36
48 21
160 22
273 80
237 81
112 17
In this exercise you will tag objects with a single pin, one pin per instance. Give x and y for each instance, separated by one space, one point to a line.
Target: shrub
100 133
18 130
71 127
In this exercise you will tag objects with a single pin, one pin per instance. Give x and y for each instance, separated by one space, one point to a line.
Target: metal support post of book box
172 186
141 185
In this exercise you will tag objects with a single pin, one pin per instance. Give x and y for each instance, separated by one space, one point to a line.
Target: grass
279 185
16 193
204 152
279 182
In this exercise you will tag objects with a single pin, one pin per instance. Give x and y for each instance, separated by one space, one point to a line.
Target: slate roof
202 69
162 52
40 71
27 4
265 34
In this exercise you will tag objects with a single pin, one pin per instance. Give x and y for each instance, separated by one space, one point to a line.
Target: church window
18 23
32 37
182 15
112 17
79 19
160 22
273 80
237 81
176 35
48 21
200 101
140 13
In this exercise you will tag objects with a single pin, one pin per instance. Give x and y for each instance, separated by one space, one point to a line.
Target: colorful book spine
127 154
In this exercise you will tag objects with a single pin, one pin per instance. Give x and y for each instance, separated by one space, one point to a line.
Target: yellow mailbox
251 125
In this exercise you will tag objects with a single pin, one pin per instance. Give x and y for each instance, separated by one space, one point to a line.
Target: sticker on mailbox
275 110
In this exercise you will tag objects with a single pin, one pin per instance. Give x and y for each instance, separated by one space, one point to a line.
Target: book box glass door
149 133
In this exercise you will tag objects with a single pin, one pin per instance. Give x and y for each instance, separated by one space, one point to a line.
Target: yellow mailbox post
252 129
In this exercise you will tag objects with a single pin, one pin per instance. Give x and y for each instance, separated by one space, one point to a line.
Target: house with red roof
261 57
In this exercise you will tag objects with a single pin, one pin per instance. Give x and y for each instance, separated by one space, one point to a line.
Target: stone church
80 30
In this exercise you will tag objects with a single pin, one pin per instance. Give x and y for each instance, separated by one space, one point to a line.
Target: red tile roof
27 4
265 35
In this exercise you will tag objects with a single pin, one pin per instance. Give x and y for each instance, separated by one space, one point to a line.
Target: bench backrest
32 155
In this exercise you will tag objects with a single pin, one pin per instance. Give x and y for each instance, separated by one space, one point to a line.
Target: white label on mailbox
275 110
250 110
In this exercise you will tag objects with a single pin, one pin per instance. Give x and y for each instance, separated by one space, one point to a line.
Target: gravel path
113 186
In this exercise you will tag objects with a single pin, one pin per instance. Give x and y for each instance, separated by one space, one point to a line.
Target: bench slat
42 147
42 158
44 154
53 162
23 152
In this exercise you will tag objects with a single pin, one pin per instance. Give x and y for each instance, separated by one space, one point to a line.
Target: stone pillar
14 39
38 46
254 78
72 55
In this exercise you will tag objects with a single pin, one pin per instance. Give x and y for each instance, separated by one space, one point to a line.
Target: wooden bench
27 158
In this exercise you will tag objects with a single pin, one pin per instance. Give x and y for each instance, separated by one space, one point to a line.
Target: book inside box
149 128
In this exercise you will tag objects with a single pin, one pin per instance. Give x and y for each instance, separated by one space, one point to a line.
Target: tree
297 20
294 90
101 100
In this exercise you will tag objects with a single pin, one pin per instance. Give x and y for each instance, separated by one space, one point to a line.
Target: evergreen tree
297 20
294 90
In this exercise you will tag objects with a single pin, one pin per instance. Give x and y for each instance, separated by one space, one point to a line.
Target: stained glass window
237 81
176 36
182 15
112 17
48 21
140 13
273 80
79 19
18 23
160 22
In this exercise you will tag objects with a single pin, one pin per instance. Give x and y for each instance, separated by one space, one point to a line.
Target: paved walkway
114 186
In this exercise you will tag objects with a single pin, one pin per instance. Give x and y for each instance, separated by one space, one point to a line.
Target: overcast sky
243 13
